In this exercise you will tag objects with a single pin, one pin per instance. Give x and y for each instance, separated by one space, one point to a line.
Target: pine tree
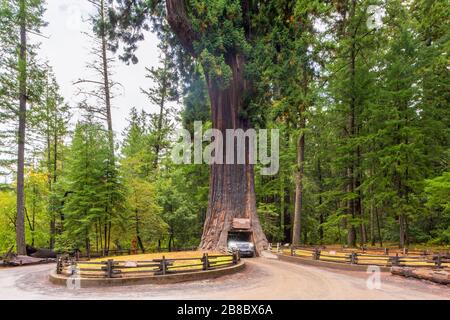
96 202
50 123
98 92
17 20
164 91
352 81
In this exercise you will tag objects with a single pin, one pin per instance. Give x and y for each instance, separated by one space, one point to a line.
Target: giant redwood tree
223 36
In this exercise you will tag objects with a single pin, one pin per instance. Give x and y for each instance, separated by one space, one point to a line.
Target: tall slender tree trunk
380 237
358 203
88 246
232 187
321 214
106 83
282 202
20 218
352 203
138 232
297 229
49 177
372 224
161 114
55 177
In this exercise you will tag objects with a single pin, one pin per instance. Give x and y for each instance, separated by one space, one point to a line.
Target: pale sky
67 51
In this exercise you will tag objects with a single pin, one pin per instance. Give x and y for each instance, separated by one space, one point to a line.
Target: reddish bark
232 187
232 190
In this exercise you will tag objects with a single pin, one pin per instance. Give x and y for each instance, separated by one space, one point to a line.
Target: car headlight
232 245
251 245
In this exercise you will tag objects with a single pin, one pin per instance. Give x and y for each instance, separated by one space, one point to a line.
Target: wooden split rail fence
387 259
110 268
123 252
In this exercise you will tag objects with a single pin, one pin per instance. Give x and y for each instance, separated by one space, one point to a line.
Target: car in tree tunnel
242 242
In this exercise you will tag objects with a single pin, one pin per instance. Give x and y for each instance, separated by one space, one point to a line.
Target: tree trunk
351 235
88 246
138 232
402 223
20 218
321 214
106 83
296 235
352 203
282 202
232 190
372 224
379 227
161 112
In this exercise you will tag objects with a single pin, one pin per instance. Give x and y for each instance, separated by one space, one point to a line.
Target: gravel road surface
263 278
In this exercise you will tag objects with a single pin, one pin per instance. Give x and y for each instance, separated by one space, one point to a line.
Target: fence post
205 261
58 264
278 247
316 254
163 265
354 258
109 268
292 251
72 267
395 261
386 251
438 261
236 257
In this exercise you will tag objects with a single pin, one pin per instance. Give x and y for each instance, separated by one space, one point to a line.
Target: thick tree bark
20 218
232 190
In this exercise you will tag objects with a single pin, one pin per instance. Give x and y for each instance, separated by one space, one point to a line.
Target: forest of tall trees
358 89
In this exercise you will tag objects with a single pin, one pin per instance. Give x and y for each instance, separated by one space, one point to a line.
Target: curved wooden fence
124 252
110 268
359 257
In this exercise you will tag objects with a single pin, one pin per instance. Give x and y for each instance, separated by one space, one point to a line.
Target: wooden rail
387 259
374 250
123 252
115 269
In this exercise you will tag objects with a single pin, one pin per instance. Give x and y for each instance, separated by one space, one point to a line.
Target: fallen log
40 253
30 250
437 276
26 260
44 253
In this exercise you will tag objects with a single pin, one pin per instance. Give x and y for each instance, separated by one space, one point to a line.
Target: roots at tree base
232 195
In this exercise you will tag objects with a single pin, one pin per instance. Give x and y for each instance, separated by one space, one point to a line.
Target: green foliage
96 201
372 104
7 220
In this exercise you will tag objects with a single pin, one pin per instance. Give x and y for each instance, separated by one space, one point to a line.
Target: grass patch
144 263
371 258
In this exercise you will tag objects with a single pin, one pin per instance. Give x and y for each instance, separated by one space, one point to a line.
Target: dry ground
263 278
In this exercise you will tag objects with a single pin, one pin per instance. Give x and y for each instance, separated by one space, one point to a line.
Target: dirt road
263 278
